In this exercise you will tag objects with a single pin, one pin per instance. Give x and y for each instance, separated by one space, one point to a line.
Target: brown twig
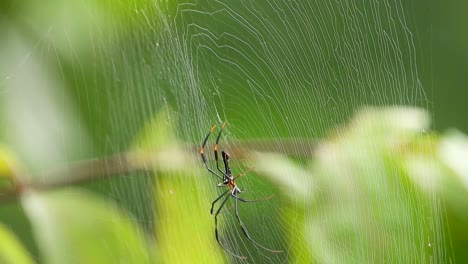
124 163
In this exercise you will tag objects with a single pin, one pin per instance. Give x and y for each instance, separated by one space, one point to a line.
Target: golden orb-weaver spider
228 180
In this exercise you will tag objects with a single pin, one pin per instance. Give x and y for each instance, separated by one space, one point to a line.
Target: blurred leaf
298 185
7 170
184 228
158 132
11 251
7 162
358 204
158 140
454 153
74 226
437 164
286 174
44 127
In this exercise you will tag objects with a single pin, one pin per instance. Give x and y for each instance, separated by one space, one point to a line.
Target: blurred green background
82 80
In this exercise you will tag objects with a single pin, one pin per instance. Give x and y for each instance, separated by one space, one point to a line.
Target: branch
130 162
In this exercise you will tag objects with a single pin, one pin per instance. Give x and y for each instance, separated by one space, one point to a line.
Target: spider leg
217 199
202 153
246 233
216 150
216 228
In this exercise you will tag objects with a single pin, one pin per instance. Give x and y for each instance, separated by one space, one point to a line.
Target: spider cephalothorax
228 180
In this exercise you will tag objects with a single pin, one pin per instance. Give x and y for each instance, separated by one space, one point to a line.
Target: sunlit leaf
7 170
11 250
362 208
74 226
286 174
183 228
158 141
41 139
454 153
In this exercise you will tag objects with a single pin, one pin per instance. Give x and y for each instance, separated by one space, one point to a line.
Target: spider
228 180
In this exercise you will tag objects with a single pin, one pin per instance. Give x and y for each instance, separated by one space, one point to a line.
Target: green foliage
184 229
74 226
373 191
11 250
7 170
79 79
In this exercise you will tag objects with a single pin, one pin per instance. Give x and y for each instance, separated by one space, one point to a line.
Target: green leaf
7 163
277 166
453 151
74 226
158 144
157 133
8 166
11 250
184 226
453 154
359 205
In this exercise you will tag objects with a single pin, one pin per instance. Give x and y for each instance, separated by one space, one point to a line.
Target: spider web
282 74
294 70
278 70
